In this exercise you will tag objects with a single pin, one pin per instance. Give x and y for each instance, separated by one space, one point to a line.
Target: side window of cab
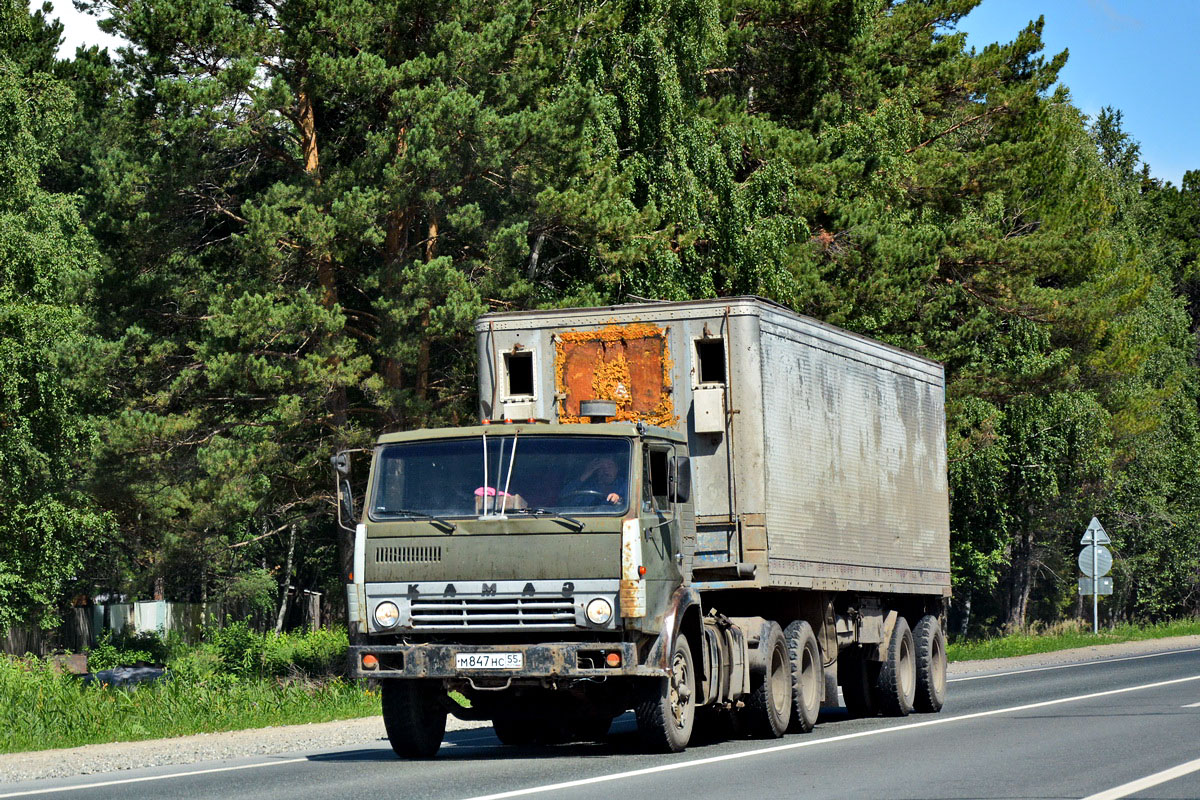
655 471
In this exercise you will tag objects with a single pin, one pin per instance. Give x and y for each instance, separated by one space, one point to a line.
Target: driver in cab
600 479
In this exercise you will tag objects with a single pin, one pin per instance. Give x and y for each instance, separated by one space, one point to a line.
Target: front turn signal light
370 662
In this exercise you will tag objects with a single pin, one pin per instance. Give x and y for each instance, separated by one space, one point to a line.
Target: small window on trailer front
518 368
710 361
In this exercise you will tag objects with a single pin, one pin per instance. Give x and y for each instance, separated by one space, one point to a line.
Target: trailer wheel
898 674
667 709
858 678
808 678
931 665
770 705
413 716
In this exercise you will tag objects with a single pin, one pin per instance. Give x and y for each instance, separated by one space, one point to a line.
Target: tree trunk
423 351
1021 580
326 270
312 611
395 244
287 580
308 135
204 597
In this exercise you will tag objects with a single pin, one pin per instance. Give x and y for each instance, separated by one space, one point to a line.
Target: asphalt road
1101 730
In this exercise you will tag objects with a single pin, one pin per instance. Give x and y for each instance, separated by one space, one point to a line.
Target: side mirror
345 495
681 479
345 504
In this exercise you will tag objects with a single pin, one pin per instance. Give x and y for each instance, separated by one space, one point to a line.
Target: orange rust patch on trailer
629 364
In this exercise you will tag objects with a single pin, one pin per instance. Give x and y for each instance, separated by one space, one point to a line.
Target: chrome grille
427 554
493 612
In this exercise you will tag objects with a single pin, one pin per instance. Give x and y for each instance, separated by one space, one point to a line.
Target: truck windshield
574 475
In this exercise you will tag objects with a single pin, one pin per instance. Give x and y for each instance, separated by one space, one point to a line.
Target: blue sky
1140 57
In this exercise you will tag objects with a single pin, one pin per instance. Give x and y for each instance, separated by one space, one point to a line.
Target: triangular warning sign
1095 534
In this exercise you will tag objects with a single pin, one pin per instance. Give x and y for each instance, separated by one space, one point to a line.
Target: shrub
196 665
239 649
124 651
317 654
322 652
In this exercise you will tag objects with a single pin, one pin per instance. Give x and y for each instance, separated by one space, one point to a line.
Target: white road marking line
1072 666
1126 789
553 787
1192 705
58 789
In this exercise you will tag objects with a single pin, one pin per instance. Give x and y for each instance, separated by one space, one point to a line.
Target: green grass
41 710
1065 636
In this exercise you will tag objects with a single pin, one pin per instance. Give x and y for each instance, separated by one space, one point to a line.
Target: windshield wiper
407 512
541 512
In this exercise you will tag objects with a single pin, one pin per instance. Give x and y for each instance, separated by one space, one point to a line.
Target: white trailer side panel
854 432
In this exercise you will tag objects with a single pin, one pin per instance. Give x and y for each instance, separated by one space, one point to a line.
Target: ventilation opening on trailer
518 367
710 361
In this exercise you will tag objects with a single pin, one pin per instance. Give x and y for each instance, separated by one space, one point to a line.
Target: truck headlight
599 611
387 614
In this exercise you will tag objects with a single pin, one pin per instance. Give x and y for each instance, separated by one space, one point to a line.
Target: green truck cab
509 561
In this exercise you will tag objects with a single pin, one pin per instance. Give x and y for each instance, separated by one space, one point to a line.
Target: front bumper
557 660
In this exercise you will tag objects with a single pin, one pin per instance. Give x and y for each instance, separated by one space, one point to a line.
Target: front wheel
590 728
414 717
667 709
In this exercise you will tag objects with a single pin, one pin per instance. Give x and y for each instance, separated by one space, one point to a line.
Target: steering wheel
584 497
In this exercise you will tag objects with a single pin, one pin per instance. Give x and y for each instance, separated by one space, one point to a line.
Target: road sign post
1095 561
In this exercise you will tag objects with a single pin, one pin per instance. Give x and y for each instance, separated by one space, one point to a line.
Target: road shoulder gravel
107 758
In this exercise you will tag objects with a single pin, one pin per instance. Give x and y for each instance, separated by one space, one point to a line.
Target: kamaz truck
711 513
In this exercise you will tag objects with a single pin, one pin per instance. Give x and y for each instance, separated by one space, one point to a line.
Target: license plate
489 660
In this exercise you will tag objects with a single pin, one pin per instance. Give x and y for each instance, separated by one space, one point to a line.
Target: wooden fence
83 625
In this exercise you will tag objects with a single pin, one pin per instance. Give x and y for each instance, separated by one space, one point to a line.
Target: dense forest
261 231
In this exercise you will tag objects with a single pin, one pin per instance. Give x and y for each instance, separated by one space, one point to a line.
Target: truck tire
898 673
666 711
808 678
930 644
414 717
858 677
514 730
590 728
769 708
